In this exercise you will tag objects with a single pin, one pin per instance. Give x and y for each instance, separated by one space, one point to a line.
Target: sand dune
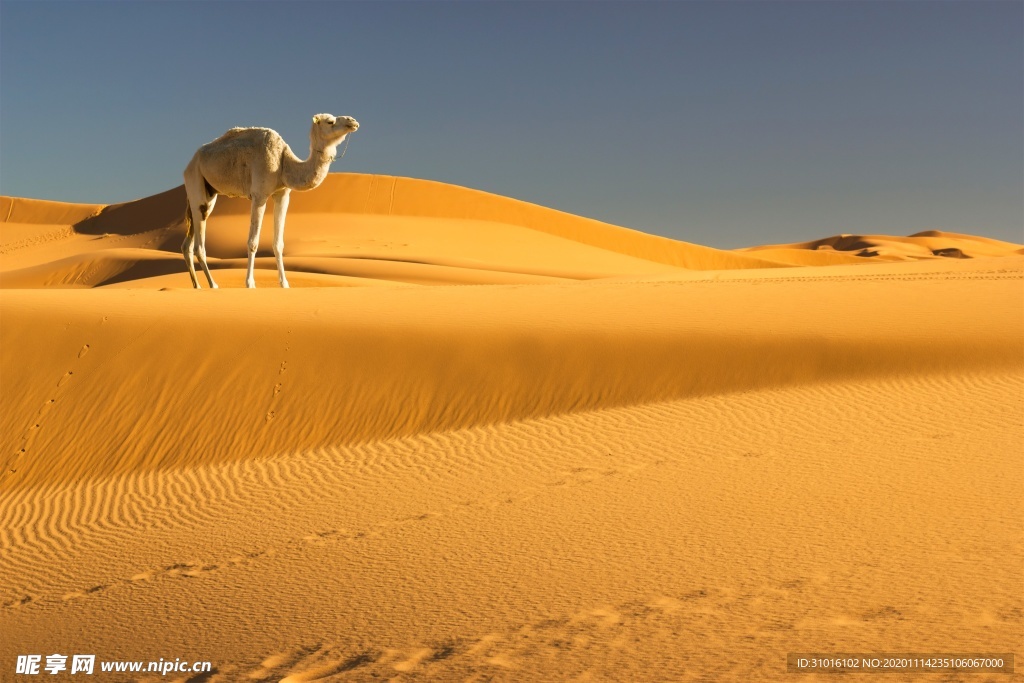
408 361
929 244
382 219
486 440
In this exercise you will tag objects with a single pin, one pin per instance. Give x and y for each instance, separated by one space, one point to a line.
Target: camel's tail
188 219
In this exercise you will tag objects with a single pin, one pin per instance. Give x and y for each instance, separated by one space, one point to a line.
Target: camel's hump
246 135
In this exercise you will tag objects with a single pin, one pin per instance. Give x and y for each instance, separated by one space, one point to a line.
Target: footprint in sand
886 612
74 595
605 617
17 602
199 571
412 662
278 388
320 536
322 670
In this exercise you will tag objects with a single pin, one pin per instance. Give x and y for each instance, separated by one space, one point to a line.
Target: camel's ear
316 119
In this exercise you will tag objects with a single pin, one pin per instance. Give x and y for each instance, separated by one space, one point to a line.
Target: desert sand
483 440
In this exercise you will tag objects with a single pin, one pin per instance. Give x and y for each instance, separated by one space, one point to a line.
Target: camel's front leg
280 209
188 246
259 205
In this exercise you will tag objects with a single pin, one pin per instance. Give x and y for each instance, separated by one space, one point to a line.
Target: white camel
258 164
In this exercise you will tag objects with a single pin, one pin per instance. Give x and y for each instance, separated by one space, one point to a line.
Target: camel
258 164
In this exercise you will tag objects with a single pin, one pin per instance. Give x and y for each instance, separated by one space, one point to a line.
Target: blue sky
722 123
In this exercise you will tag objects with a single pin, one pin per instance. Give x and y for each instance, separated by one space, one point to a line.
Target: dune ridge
19 210
397 196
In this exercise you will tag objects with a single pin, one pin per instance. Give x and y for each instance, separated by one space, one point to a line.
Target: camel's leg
259 205
201 239
187 247
280 209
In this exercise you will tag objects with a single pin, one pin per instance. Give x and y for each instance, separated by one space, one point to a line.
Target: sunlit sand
485 440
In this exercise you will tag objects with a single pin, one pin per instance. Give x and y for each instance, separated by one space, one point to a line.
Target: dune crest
42 211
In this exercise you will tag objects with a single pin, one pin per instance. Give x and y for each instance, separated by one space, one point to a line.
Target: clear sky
722 123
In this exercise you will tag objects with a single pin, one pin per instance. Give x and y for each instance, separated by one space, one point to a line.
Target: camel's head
330 129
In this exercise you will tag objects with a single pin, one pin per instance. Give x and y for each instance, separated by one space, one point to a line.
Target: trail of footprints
600 628
576 644
576 476
61 387
54 236
183 570
271 411
32 431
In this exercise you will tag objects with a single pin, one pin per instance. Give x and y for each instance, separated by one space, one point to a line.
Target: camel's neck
305 175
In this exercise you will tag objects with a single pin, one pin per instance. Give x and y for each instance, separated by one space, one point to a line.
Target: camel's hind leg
187 247
280 209
195 212
201 238
259 205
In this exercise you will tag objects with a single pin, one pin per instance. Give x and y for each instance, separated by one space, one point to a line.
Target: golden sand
484 440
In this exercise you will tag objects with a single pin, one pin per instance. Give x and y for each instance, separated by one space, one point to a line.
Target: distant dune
930 244
482 439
